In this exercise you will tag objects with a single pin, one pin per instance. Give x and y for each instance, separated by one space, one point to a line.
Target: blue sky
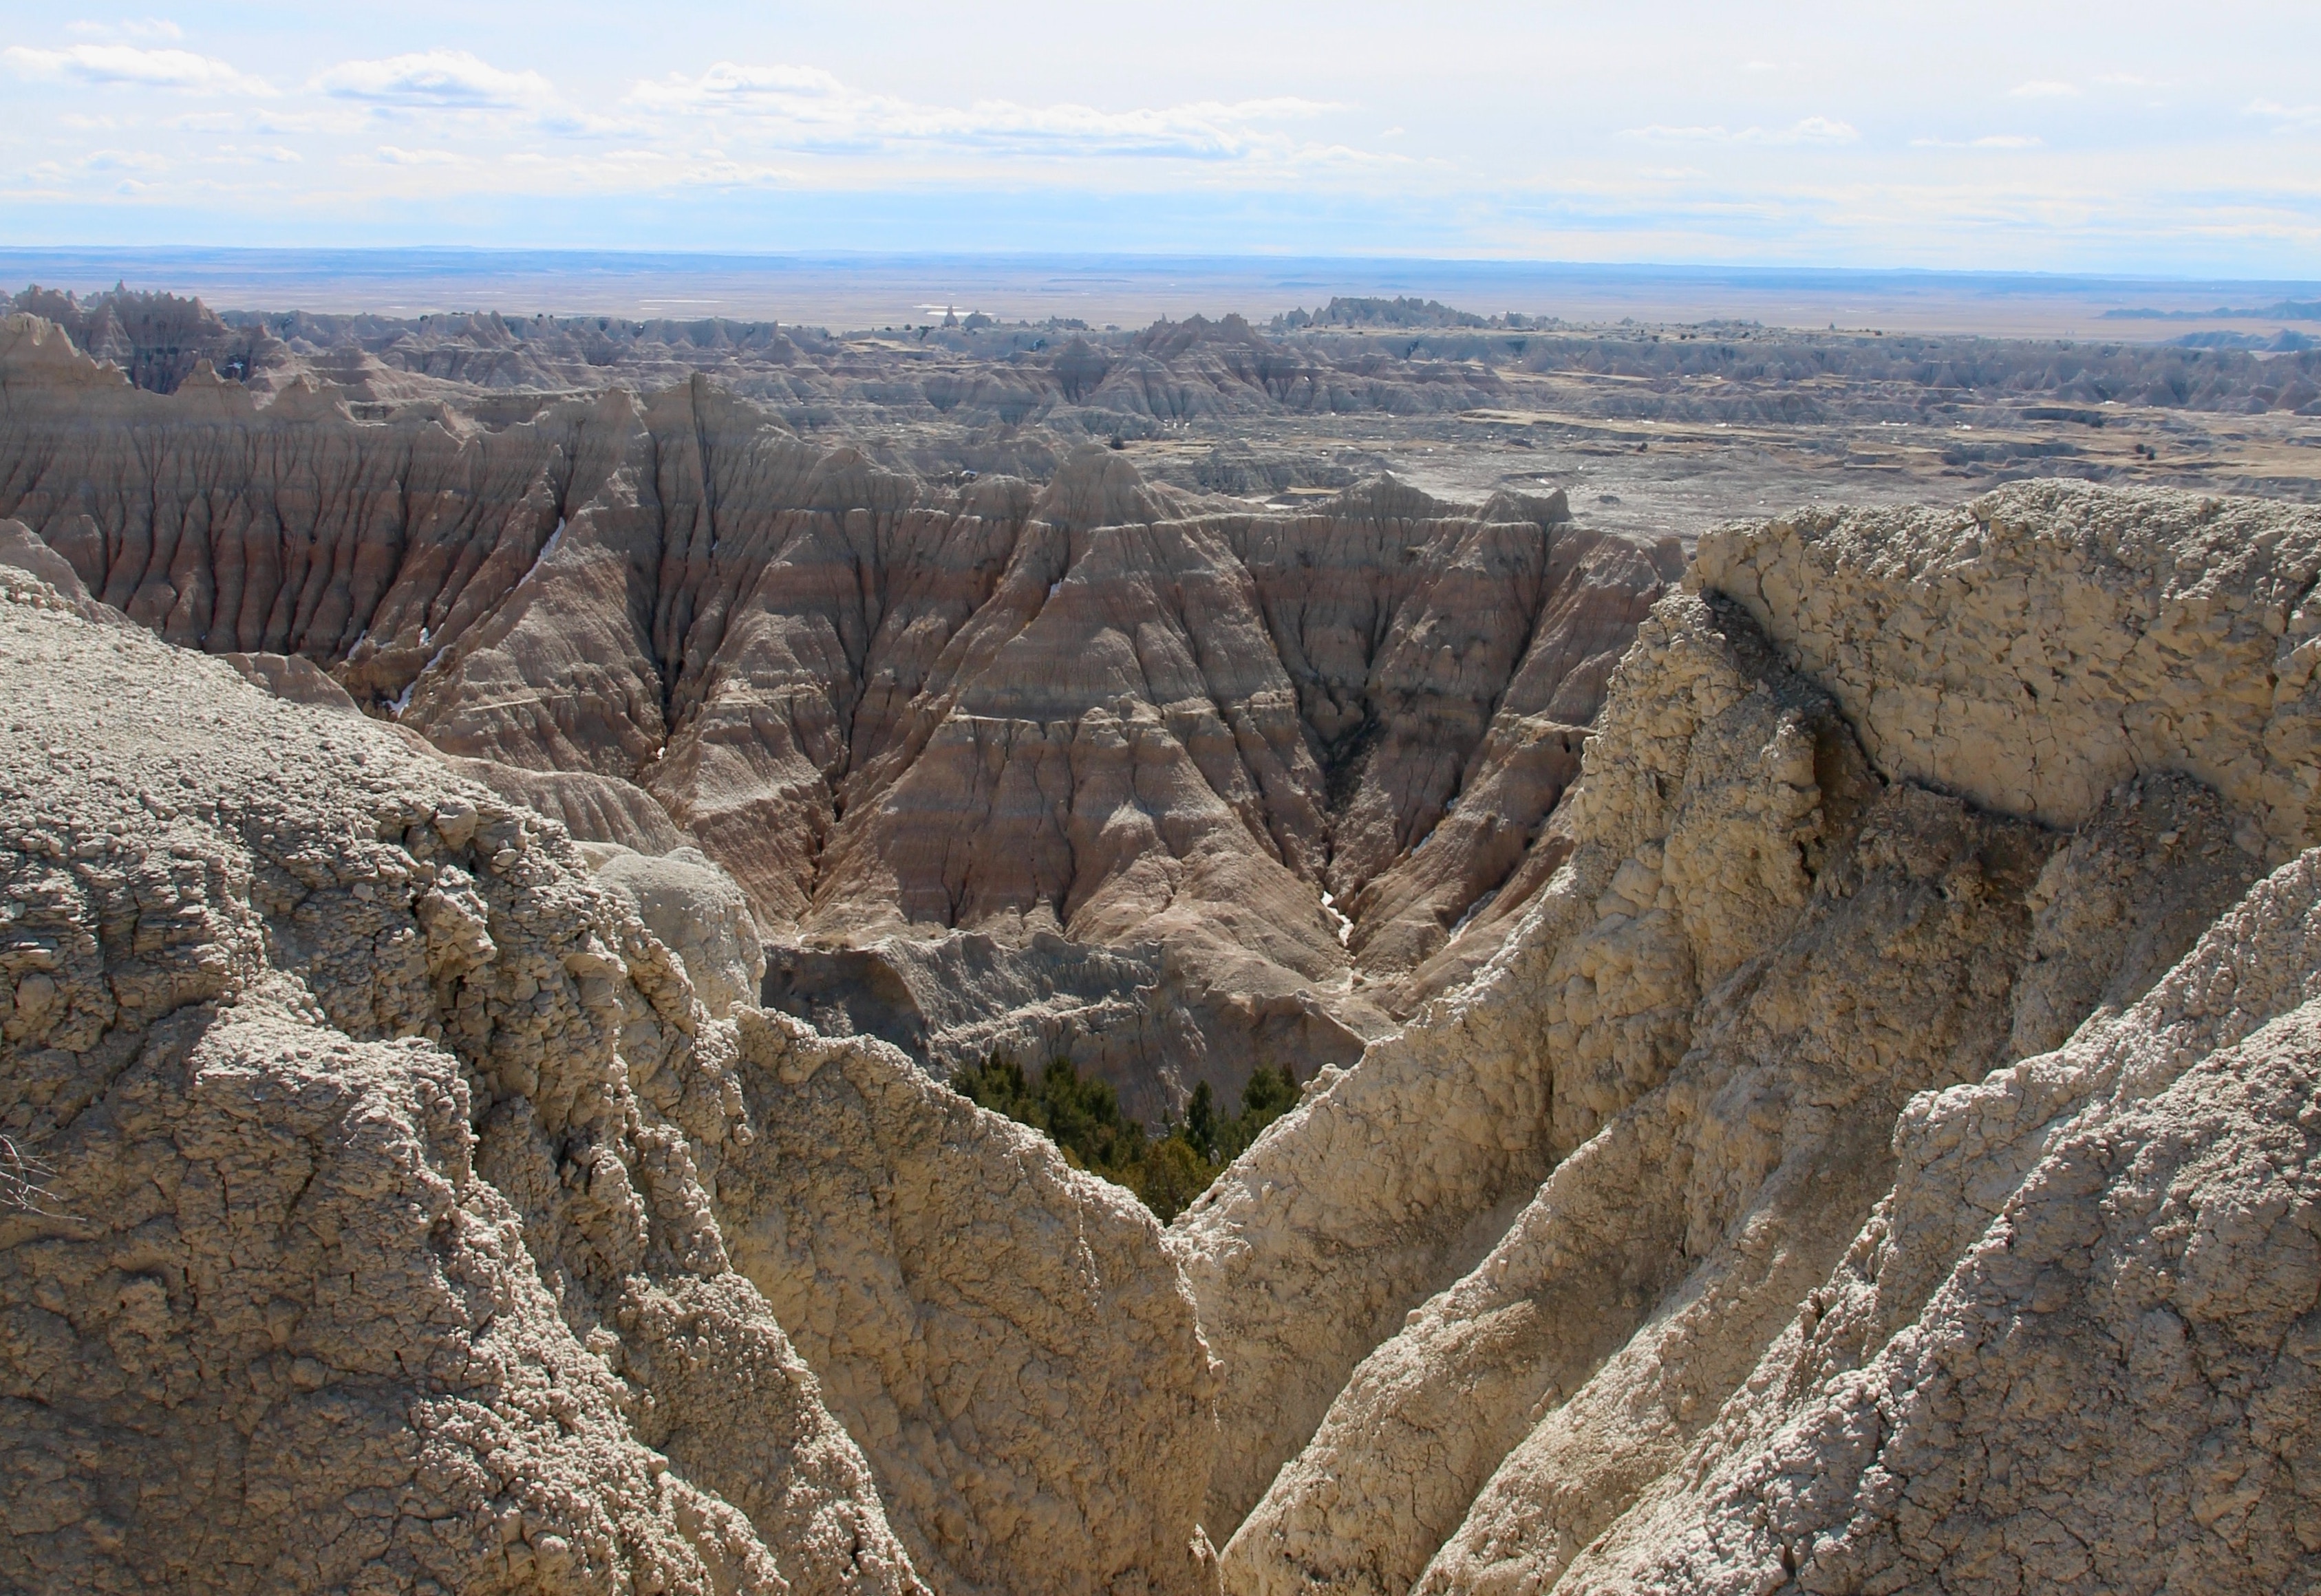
2123 137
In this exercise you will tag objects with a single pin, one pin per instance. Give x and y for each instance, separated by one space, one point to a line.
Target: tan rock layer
973 1306
2078 1345
1575 1225
381 1168
2037 646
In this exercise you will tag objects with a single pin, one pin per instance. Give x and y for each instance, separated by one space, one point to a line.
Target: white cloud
129 163
1812 130
394 156
124 160
108 65
440 79
809 108
1987 141
2285 118
151 27
2044 88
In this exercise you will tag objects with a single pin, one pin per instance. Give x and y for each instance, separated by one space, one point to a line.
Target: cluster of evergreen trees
1167 1169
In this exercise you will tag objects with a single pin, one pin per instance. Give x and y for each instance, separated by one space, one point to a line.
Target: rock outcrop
1296 752
1621 1266
1004 1335
377 1183
2075 1349
2054 640
698 912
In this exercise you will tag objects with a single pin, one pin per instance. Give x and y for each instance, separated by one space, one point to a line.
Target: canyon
1807 1032
1229 780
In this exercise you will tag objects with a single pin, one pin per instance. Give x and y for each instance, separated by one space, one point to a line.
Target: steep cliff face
1084 711
382 1202
1005 1337
1625 1260
2076 1345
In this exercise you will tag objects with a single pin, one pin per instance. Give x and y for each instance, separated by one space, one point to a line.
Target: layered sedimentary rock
1297 753
375 1183
1853 1129
1632 1281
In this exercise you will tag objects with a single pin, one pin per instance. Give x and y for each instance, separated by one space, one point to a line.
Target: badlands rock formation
1274 761
1713 1238
387 1210
1852 1129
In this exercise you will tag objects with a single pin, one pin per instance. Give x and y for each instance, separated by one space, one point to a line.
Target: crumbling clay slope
1713 1238
385 1209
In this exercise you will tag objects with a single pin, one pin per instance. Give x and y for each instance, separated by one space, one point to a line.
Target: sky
2125 137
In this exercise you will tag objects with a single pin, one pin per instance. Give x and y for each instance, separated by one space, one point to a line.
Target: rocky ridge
400 1213
1630 1247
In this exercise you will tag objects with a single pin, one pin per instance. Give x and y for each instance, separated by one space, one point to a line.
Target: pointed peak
301 399
1098 486
1387 497
1165 339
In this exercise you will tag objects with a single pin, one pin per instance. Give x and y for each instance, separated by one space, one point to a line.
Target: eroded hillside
1838 1115
401 1212
1637 1243
1232 781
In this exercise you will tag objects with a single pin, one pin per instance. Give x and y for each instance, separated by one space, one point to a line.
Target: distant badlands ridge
1018 397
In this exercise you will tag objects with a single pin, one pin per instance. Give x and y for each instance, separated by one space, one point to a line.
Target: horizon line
1252 257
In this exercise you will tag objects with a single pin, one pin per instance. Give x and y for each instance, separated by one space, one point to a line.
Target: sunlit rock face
1833 1182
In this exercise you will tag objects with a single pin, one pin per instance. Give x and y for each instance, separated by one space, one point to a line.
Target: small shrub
1082 1116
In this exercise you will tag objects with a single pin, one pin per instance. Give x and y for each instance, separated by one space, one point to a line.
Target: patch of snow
1345 927
402 700
546 549
1473 909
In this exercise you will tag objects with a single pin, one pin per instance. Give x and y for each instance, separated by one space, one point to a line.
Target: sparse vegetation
1167 1169
22 1182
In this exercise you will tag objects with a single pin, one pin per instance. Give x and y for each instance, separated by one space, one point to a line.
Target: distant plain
870 290
1661 399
